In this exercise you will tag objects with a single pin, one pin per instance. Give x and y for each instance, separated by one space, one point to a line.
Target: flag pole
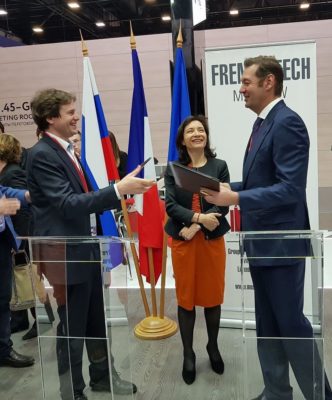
163 274
179 44
153 327
135 257
152 282
85 53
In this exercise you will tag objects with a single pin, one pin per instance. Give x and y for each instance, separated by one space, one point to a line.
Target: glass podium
284 251
83 333
78 270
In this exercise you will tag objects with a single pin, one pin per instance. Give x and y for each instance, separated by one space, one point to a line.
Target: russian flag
180 103
150 214
97 155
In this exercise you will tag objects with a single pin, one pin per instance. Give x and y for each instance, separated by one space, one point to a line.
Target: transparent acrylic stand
83 333
300 358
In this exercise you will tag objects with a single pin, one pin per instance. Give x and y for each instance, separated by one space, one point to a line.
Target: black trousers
279 297
82 320
5 294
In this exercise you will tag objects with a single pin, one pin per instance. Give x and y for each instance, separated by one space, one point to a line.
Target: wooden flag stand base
154 328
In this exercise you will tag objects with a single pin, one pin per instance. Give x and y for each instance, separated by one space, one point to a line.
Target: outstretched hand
132 185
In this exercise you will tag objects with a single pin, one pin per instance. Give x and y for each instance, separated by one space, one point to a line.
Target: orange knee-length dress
199 269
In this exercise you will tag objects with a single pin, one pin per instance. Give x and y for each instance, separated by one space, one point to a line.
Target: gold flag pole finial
179 39
84 46
132 37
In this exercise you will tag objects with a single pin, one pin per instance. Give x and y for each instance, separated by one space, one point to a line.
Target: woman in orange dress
198 247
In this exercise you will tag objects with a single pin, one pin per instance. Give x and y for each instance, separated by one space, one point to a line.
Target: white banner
230 123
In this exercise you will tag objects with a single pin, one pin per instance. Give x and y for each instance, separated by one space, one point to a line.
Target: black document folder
192 180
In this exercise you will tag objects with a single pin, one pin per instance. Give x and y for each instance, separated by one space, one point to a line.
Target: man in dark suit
62 205
8 242
272 196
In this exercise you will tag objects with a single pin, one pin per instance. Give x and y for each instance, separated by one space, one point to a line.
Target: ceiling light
304 6
100 24
166 18
73 4
38 29
3 12
234 12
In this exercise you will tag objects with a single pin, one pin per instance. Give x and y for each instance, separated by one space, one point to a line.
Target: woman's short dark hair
182 150
46 104
10 149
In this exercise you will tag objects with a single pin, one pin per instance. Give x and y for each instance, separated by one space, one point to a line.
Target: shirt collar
64 143
264 113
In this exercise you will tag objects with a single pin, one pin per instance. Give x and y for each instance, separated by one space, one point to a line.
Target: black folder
192 180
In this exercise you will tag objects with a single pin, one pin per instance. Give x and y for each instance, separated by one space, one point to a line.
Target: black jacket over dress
179 202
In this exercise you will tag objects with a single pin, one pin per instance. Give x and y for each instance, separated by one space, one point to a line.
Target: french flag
150 214
97 156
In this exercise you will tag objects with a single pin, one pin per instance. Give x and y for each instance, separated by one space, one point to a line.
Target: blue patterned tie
255 129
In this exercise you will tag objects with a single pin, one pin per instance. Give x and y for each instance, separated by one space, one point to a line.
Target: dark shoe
189 369
120 386
32 333
17 360
217 363
80 396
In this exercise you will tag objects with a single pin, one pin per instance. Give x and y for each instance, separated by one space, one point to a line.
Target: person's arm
290 157
51 176
236 186
16 178
14 193
224 178
173 208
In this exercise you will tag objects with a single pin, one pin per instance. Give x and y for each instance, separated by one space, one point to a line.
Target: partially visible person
8 242
2 128
198 247
62 203
272 197
76 141
120 156
11 174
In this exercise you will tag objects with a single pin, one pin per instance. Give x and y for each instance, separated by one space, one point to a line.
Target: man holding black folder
272 196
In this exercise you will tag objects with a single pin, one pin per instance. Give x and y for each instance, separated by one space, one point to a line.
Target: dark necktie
254 132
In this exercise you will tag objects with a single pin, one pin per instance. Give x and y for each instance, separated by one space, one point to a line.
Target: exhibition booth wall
26 69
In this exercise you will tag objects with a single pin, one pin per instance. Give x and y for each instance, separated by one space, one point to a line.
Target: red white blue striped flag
150 215
97 154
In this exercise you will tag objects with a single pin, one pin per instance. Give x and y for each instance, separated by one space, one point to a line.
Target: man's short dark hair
267 65
46 104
